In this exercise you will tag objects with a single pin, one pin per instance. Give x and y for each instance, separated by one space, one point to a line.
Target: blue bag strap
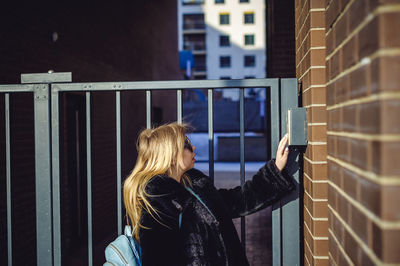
199 199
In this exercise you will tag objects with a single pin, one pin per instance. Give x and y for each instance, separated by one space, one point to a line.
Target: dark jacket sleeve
267 186
160 243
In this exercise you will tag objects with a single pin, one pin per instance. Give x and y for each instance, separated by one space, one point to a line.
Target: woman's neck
177 175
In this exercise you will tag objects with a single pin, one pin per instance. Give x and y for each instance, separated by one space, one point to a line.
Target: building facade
227 38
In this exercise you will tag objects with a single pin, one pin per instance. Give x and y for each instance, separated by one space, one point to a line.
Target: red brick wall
310 70
280 39
350 52
363 105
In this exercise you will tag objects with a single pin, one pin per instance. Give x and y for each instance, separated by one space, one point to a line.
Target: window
225 61
194 42
244 1
219 1
248 18
193 21
225 77
249 39
249 77
224 40
249 61
224 19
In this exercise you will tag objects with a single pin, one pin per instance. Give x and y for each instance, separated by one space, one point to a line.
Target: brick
370 195
368 39
318 76
316 133
342 89
390 207
389 117
335 68
360 224
330 94
332 13
317 19
343 208
333 249
385 74
335 119
335 174
317 4
343 4
316 171
316 114
388 22
320 228
360 153
350 52
385 159
316 152
317 38
330 42
343 149
357 13
366 260
349 118
319 190
341 29
386 244
331 145
338 230
350 184
332 197
317 57
358 82
351 247
318 209
369 117
342 260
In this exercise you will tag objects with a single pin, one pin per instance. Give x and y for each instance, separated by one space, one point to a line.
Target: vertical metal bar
290 211
242 166
148 108
211 134
55 147
275 136
118 137
8 178
89 178
44 225
179 106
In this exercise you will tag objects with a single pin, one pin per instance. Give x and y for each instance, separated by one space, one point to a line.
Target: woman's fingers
282 144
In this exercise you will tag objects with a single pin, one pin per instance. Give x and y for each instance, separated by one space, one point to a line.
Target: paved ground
258 225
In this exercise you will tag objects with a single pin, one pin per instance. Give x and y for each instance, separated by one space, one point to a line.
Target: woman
172 225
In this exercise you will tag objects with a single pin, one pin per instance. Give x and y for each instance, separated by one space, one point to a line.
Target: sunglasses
188 145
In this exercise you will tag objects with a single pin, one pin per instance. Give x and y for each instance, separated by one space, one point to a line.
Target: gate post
286 222
46 124
43 175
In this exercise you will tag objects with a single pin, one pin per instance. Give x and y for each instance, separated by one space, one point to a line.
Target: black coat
207 235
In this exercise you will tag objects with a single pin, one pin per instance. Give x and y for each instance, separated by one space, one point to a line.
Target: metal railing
283 95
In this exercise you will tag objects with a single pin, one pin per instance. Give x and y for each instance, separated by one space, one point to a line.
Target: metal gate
46 88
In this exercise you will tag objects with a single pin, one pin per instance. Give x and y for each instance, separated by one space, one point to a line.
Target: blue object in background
185 56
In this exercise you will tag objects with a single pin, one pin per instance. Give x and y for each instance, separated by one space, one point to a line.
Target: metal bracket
41 92
50 77
297 126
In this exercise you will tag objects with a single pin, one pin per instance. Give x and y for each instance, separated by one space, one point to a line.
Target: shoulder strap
199 199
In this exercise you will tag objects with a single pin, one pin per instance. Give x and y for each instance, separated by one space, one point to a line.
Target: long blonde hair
159 152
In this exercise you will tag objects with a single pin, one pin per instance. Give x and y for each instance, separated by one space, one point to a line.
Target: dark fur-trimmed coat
207 235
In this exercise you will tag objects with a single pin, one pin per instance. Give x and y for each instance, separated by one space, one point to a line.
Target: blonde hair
159 152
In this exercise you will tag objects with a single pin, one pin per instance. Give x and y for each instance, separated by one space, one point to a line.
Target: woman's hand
282 153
